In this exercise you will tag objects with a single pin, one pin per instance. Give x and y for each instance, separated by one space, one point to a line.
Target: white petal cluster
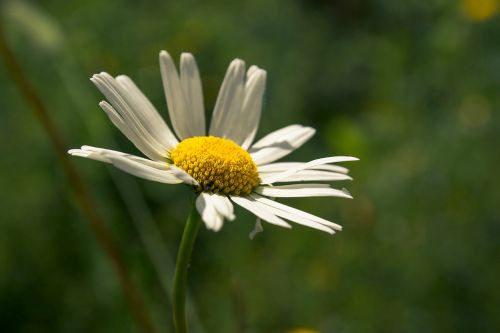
235 117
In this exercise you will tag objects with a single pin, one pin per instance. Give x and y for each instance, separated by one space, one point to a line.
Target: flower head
224 166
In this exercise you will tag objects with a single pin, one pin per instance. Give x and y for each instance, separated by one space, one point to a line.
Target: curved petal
134 165
297 212
302 190
302 176
184 176
140 141
280 143
178 109
153 122
259 210
283 166
276 136
309 165
229 102
135 115
297 218
191 86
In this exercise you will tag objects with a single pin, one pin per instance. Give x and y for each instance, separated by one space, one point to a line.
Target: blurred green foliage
409 87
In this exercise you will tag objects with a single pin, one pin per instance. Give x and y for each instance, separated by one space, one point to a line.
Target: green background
409 87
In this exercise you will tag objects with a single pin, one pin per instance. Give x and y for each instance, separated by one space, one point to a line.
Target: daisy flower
224 166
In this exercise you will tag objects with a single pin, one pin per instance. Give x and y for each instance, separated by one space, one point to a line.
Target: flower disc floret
218 165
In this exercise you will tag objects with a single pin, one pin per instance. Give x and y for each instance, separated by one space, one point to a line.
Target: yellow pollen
218 165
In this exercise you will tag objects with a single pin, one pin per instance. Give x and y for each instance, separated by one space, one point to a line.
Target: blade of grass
83 197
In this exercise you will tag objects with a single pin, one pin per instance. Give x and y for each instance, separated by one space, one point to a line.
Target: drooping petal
298 219
214 208
134 165
259 210
230 100
257 229
297 212
213 220
224 206
135 115
280 143
191 86
302 190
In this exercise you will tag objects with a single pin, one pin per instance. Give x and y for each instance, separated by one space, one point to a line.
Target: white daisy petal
134 165
191 86
297 212
259 210
298 219
280 143
245 121
229 102
302 190
213 220
143 121
252 70
257 229
101 153
138 140
283 166
278 136
151 118
176 100
183 175
224 206
302 176
311 164
252 105
131 129
89 154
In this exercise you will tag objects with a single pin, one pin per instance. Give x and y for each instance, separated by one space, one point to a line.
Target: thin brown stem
82 194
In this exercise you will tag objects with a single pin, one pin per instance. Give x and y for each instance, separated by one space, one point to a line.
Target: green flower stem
180 278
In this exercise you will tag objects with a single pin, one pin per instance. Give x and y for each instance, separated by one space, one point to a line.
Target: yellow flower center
218 165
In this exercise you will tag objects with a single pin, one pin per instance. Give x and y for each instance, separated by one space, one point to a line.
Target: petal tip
165 57
187 56
347 193
122 77
237 64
